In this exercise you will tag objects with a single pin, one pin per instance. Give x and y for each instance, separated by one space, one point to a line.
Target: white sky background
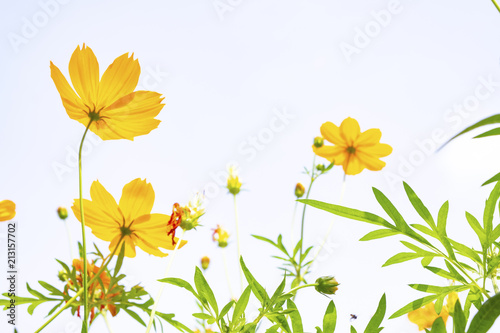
223 78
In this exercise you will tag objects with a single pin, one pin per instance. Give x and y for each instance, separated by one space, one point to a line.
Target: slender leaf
459 321
257 289
242 303
487 121
204 290
376 320
419 206
295 317
438 326
486 316
330 318
493 179
380 233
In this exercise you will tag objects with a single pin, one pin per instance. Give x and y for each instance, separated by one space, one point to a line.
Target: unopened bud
320 167
326 285
299 190
62 212
63 276
233 181
318 142
220 236
205 261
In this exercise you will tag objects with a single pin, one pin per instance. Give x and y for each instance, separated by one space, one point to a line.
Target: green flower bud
326 285
205 261
318 142
299 190
320 167
62 212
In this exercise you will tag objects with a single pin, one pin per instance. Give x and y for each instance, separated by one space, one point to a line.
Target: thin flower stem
105 316
226 268
302 286
238 239
167 272
68 303
342 193
84 244
494 282
496 4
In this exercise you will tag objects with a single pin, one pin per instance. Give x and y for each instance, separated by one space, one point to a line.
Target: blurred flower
130 219
352 149
451 299
326 285
220 236
233 181
425 316
318 142
174 221
116 111
299 190
62 212
192 212
7 210
205 261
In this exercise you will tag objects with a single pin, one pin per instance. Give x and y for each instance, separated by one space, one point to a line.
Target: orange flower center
351 150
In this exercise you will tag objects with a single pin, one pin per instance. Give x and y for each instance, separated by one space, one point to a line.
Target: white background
224 74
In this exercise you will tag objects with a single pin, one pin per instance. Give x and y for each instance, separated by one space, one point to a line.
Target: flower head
192 212
233 181
63 213
318 142
7 210
130 220
110 102
353 149
425 316
326 285
220 236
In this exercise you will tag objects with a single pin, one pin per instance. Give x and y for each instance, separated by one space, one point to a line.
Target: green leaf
489 211
257 289
486 316
416 304
380 233
264 239
53 290
295 317
492 132
419 206
438 326
459 321
493 179
226 309
242 303
442 218
353 330
349 213
437 289
203 316
374 323
135 316
441 272
273 329
487 121
391 210
318 330
466 251
204 290
181 283
478 229
330 318
278 292
119 261
402 257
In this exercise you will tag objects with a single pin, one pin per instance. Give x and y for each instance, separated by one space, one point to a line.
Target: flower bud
320 167
63 213
326 285
205 261
299 190
63 276
233 181
220 236
318 142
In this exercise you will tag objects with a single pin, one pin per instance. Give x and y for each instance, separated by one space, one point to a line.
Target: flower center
351 150
126 231
94 116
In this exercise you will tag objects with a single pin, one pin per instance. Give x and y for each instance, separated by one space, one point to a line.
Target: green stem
313 178
226 268
84 244
65 306
160 292
238 239
105 316
292 231
300 287
496 5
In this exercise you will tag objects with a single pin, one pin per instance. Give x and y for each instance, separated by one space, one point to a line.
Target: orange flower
7 210
353 149
115 109
130 220
425 316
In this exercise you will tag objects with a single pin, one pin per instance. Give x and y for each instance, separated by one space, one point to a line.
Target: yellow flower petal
331 133
97 219
370 162
84 73
352 165
332 153
349 131
369 137
101 197
71 102
377 150
7 210
119 79
137 199
425 316
129 246
152 228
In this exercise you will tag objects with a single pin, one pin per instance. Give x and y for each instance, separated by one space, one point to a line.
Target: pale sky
251 82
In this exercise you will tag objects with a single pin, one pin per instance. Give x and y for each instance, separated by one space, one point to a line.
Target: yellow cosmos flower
131 219
116 111
425 316
7 210
353 149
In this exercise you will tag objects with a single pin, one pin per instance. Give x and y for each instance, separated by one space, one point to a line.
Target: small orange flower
353 149
220 236
7 210
425 316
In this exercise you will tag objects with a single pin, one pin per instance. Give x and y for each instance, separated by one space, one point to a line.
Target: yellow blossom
220 236
233 181
7 210
425 316
353 149
115 109
131 219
